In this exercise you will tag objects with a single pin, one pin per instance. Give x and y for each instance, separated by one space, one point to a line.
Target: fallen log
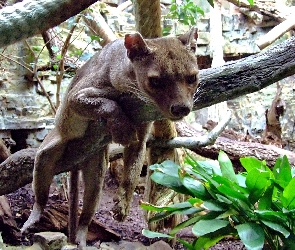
55 218
236 149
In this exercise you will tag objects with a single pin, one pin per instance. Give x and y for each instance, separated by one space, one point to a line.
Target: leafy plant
186 12
257 206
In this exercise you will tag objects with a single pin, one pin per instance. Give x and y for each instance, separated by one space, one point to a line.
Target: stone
203 38
50 240
74 247
126 245
159 245
69 247
35 246
122 245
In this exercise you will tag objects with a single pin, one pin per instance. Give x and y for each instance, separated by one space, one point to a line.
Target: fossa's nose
180 110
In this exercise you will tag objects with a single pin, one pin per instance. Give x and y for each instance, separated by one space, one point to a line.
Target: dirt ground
130 229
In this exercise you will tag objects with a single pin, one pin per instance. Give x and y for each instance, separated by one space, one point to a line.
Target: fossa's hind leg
44 170
93 176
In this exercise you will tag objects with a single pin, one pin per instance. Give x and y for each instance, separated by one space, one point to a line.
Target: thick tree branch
246 75
29 18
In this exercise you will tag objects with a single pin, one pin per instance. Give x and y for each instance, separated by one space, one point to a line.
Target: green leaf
185 244
276 216
209 240
151 234
95 38
203 227
184 208
166 31
277 227
160 216
170 182
241 180
257 181
282 171
185 224
265 201
230 190
227 213
232 193
58 57
196 188
171 208
251 235
205 242
250 162
214 205
223 199
173 7
199 10
288 243
226 167
251 2
288 198
168 167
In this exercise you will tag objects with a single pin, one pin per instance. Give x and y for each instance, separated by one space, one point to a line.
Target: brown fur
159 71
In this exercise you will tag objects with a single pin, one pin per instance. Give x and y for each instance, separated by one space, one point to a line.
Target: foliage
257 206
186 12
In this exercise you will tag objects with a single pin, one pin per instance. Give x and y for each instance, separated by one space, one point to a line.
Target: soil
130 229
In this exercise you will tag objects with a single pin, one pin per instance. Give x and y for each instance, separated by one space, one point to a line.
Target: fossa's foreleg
134 156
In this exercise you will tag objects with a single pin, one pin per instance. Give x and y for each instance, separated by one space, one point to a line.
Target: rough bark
17 170
264 7
29 18
246 75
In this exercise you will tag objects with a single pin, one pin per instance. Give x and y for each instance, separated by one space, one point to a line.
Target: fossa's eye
191 79
155 82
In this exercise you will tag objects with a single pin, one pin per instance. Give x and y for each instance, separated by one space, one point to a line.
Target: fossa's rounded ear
136 46
189 39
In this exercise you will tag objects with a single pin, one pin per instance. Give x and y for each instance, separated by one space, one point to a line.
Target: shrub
257 206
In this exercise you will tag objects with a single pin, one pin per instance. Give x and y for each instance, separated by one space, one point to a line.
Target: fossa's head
166 71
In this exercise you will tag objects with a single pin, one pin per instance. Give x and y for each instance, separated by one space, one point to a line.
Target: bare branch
193 142
275 33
